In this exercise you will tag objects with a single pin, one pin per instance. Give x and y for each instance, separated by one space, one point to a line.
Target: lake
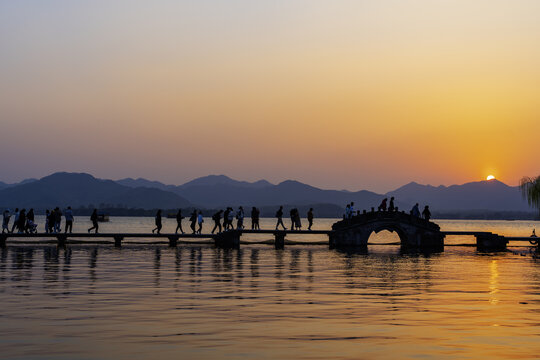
303 302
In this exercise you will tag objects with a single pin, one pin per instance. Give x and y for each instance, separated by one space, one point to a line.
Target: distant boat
103 217
171 216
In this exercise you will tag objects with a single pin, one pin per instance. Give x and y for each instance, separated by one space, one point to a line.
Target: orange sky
341 94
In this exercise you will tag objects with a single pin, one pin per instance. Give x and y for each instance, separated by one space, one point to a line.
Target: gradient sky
338 94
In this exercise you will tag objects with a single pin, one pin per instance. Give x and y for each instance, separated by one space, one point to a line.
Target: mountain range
217 191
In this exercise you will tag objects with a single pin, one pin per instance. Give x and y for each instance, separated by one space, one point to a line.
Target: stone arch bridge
414 232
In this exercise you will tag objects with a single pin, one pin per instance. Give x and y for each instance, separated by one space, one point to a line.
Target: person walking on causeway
179 218
193 220
279 216
200 220
5 221
68 214
240 218
310 218
15 220
217 221
158 222
94 220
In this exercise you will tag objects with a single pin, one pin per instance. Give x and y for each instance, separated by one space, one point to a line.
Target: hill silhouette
480 195
74 189
218 191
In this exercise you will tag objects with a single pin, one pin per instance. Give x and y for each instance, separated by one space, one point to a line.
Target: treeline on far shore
320 211
486 215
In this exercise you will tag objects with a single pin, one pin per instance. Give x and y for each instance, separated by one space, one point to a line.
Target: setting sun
490 177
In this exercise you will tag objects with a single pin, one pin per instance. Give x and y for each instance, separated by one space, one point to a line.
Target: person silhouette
310 218
193 220
382 207
179 218
279 216
158 222
200 221
426 213
240 218
391 207
254 218
217 221
15 220
68 214
415 211
5 221
94 220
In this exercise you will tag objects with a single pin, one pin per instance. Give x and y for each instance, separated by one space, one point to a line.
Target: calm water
304 302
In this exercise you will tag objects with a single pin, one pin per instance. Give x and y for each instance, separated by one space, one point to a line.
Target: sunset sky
338 94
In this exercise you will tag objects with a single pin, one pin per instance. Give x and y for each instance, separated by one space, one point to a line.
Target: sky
338 94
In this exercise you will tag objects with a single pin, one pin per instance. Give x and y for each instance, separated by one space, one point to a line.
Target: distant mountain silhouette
481 195
213 180
4 185
218 191
71 189
140 182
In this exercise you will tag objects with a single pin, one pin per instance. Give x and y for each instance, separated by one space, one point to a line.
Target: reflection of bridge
414 233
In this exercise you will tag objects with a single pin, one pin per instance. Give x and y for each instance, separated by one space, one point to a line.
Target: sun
490 177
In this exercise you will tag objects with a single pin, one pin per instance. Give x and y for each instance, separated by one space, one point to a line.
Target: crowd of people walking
389 206
223 220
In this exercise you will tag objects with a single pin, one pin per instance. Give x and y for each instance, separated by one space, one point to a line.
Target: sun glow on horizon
490 177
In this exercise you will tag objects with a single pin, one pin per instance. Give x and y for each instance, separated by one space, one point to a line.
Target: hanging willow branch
530 189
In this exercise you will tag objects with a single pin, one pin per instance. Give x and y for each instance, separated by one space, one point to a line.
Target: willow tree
530 188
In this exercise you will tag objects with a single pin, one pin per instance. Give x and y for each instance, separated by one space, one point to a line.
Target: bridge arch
412 231
390 228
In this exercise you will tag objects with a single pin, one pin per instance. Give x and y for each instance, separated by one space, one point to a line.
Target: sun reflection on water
493 283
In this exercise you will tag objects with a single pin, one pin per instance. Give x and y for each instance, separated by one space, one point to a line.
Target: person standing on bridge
240 218
226 219
382 207
193 220
426 213
200 221
230 218
22 221
179 218
15 219
68 214
158 222
5 221
47 214
94 220
415 211
279 216
51 218
297 220
391 207
30 222
310 218
255 219
351 210
217 221
347 212
292 214
57 220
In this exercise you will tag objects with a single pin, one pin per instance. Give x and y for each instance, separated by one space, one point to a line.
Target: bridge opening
384 237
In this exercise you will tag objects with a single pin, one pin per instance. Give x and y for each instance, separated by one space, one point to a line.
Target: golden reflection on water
304 302
493 282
